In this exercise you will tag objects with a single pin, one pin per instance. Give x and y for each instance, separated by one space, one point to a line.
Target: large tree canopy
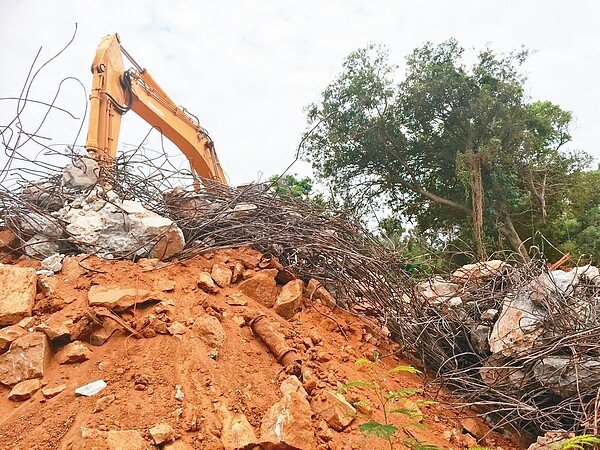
458 148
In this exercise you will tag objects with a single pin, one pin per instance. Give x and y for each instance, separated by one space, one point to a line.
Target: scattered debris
91 389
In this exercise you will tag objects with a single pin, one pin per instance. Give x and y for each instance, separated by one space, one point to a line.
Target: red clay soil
142 373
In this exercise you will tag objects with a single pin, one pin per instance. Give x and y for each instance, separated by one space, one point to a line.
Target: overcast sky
247 69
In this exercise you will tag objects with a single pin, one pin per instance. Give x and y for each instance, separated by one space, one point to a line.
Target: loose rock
334 409
237 432
17 293
91 388
177 328
161 433
26 359
24 390
52 263
55 329
49 391
238 272
104 402
262 287
8 335
206 283
480 271
119 299
288 424
73 353
289 299
221 273
210 330
316 291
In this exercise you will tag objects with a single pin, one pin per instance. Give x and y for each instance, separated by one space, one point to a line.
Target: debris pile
519 342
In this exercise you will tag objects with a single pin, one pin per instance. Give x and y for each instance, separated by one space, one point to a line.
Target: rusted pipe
274 340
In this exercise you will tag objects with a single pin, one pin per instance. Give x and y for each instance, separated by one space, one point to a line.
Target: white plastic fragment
91 388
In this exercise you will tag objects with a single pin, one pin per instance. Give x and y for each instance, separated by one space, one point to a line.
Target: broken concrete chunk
26 358
565 376
82 173
120 228
117 298
40 246
73 353
17 293
262 287
480 271
109 440
24 390
206 283
8 335
43 226
288 424
437 290
210 330
52 391
161 433
90 389
52 263
289 299
518 325
221 273
237 432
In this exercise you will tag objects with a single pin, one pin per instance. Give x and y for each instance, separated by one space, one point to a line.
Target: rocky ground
217 352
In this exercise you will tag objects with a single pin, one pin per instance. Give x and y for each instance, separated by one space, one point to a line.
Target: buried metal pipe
274 340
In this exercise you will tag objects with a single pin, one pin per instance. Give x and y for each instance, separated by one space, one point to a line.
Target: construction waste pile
228 318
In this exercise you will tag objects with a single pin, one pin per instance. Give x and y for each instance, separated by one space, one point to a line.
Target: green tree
577 228
458 149
290 185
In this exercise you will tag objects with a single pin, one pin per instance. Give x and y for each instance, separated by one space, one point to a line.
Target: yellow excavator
115 91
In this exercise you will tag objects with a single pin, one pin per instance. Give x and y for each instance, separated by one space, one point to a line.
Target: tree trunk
477 199
507 229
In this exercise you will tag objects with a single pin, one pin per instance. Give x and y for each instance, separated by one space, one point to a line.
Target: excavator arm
116 91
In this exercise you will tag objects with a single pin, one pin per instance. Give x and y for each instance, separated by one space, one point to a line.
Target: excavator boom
116 91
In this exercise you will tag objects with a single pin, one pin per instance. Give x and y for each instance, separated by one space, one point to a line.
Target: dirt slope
143 373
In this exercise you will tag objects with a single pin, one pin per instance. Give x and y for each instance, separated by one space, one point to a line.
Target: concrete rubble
111 227
500 336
